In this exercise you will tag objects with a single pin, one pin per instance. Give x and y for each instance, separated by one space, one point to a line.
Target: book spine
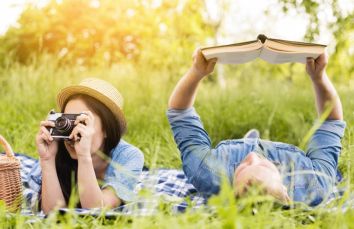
262 38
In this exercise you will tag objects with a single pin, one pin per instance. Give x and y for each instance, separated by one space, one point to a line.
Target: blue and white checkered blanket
169 186
162 185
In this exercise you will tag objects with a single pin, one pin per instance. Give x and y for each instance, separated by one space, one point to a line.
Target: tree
342 28
87 32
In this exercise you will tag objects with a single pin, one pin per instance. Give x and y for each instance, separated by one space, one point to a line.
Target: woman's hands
47 147
81 137
82 134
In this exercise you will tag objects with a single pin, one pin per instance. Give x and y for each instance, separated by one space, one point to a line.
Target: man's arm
326 94
188 131
184 93
325 144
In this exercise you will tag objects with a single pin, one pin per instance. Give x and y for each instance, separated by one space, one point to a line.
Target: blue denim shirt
309 176
122 173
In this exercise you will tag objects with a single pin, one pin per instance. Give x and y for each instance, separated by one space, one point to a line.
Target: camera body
64 124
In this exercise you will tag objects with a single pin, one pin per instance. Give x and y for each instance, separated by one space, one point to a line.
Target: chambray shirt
122 173
309 176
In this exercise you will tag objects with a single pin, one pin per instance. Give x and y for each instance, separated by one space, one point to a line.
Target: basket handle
8 150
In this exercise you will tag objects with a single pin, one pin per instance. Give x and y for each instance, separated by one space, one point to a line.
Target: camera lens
63 125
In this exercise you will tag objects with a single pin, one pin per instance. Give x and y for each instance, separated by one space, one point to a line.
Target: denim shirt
122 173
309 176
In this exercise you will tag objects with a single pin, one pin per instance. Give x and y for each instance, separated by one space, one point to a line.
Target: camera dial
63 125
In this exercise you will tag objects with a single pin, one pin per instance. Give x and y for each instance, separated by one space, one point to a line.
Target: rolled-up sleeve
200 164
124 171
188 130
325 146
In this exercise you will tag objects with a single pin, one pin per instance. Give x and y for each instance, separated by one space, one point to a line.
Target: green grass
282 109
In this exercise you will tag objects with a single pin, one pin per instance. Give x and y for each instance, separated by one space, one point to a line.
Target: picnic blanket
161 185
164 185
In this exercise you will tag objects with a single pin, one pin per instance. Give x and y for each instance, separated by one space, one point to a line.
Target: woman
77 162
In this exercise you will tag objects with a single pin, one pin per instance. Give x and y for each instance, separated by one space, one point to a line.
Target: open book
274 51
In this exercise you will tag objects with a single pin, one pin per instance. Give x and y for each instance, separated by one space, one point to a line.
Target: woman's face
256 170
76 106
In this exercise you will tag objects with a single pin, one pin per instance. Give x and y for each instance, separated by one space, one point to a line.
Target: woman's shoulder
125 150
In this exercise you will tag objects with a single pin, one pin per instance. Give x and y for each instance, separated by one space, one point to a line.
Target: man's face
257 170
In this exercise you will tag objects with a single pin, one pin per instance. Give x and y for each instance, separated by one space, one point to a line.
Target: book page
295 43
234 54
235 57
278 57
292 46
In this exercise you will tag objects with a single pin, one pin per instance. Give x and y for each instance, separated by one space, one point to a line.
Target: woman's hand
202 67
47 147
316 68
82 134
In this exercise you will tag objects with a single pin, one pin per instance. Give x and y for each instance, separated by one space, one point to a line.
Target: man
279 169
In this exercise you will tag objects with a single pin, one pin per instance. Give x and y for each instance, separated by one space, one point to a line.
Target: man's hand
316 68
325 92
202 67
184 93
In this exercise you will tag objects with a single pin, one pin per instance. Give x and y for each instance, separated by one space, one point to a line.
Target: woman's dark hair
66 166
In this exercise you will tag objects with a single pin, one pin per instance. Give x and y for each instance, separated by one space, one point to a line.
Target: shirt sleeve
188 130
200 163
324 148
124 170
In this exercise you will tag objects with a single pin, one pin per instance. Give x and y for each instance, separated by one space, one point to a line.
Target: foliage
341 27
87 32
281 110
151 34
143 47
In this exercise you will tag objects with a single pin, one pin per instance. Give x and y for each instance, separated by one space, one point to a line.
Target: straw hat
101 90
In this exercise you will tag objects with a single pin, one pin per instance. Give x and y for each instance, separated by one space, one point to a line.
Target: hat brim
67 92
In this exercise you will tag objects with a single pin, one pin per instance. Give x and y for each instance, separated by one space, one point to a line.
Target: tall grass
282 109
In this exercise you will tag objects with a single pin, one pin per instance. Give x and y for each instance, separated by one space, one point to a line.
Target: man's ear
285 196
280 193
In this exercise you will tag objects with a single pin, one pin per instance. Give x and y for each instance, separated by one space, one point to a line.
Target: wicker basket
10 178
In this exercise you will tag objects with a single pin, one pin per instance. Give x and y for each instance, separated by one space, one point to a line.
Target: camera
64 124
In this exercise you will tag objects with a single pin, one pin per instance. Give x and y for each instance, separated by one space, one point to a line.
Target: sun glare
240 21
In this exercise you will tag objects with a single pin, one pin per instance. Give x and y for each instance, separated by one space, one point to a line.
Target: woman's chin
71 150
73 155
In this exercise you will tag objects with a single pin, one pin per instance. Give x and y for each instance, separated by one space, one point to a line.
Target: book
272 50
